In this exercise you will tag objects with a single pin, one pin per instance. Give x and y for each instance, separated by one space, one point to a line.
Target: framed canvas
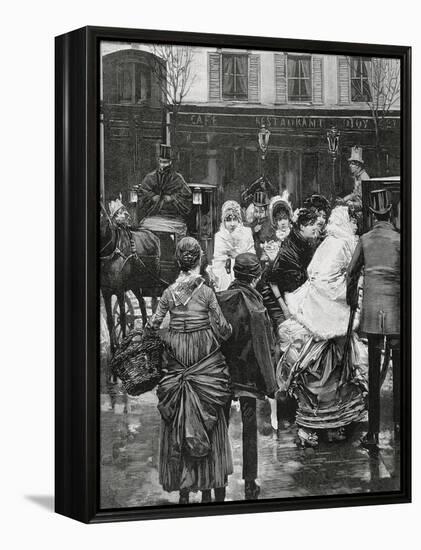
232 222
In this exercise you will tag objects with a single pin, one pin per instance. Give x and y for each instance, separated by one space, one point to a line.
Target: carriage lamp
263 138
197 195
332 136
133 195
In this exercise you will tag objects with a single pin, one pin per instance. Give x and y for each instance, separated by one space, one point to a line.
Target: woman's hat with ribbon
231 208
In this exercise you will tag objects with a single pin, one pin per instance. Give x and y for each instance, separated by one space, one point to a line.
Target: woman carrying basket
194 453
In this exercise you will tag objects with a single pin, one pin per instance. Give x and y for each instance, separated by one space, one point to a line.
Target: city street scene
249 236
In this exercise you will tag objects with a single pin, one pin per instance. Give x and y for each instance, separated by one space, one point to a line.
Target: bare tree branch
383 78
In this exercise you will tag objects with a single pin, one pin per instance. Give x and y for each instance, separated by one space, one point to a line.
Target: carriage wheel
130 318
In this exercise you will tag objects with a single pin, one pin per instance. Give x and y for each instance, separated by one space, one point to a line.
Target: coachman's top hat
260 198
356 155
380 201
165 152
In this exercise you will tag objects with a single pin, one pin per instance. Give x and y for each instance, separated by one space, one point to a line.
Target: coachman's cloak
249 351
160 183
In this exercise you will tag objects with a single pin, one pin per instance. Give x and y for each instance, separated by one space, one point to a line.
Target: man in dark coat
378 251
164 192
260 226
249 353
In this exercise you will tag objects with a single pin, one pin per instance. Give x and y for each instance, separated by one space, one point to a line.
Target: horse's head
105 226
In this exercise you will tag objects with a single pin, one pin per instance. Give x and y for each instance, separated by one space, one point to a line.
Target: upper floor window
299 78
133 82
235 76
359 73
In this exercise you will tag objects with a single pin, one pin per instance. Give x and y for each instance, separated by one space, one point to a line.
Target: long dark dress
195 453
289 269
288 272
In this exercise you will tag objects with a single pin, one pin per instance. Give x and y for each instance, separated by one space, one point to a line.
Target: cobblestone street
129 458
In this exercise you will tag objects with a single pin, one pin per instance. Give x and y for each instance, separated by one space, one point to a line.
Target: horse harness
117 252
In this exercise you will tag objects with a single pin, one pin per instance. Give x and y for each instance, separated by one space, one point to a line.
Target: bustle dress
329 388
195 453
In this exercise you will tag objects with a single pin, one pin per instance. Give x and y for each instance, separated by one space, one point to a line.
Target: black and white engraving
250 274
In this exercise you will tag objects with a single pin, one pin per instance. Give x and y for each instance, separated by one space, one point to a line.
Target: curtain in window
241 71
235 76
367 73
305 72
299 81
360 88
229 78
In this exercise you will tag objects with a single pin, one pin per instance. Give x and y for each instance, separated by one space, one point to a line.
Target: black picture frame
77 289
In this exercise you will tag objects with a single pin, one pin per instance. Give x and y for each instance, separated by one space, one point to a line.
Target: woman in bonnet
231 239
194 452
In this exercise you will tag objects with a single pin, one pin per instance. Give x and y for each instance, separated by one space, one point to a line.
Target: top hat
247 265
356 155
260 198
165 152
380 201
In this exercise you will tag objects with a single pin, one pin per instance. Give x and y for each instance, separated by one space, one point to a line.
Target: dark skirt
195 453
330 393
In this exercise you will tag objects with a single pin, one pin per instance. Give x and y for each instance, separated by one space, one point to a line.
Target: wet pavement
129 457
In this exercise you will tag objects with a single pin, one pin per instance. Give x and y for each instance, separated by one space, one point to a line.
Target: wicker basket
137 361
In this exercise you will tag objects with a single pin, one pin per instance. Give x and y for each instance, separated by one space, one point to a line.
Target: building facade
297 97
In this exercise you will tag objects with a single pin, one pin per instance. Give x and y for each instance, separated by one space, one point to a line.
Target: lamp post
263 139
333 136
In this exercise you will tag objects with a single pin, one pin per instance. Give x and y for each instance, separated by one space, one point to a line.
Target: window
299 77
133 82
235 76
360 86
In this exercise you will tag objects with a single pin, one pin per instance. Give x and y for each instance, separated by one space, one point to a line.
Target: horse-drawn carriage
140 263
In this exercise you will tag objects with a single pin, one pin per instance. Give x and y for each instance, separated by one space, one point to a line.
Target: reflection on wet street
129 455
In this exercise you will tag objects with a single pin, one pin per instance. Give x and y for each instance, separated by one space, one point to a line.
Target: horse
129 260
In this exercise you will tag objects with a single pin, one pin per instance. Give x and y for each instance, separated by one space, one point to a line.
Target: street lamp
333 136
263 138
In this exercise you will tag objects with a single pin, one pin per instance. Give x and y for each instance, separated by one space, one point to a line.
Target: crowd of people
282 312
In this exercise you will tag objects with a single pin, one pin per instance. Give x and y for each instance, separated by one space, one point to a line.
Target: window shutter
317 79
254 78
214 65
280 78
344 83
